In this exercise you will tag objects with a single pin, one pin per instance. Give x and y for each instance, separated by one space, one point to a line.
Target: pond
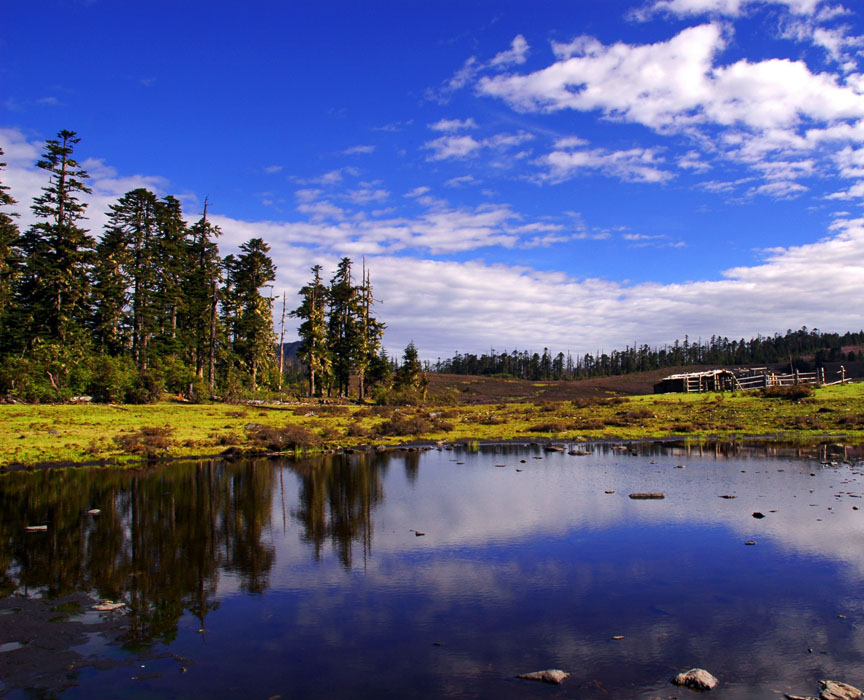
437 574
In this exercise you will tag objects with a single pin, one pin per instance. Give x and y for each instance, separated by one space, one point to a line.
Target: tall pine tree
9 259
314 352
54 291
345 330
254 339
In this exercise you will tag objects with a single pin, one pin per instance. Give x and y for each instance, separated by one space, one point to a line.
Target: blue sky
579 175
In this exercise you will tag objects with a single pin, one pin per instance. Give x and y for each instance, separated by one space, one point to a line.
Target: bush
357 430
289 437
548 428
852 422
401 425
790 393
150 441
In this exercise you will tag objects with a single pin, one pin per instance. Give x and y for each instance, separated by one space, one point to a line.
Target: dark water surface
307 579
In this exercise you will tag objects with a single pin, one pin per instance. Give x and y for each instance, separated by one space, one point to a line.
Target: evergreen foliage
153 307
803 348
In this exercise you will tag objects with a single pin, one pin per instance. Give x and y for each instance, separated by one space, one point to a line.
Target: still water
309 579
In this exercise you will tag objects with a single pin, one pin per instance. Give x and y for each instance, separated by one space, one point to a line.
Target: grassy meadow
94 433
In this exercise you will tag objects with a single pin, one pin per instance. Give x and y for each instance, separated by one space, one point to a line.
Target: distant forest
804 349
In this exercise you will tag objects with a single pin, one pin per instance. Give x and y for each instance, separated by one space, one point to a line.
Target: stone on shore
835 690
696 678
551 675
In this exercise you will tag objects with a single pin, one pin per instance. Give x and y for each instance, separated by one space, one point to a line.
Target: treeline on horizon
152 307
804 349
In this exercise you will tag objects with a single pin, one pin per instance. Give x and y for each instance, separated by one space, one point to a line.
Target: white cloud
755 112
366 195
450 125
730 8
273 169
446 147
452 147
461 181
780 189
470 305
358 150
516 54
634 165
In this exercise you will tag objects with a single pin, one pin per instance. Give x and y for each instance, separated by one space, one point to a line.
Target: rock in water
647 496
696 678
551 675
835 690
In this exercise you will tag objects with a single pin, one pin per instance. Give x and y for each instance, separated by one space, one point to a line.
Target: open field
36 434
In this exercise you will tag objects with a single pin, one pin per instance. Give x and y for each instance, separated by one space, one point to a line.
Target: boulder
835 690
696 678
551 675
647 496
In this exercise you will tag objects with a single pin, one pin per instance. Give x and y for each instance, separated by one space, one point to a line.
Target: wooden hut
697 382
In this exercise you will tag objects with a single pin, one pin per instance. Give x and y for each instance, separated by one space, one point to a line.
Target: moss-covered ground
33 434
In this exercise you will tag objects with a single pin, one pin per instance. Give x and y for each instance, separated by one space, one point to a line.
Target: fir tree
200 287
255 338
9 259
313 351
344 325
371 331
54 291
133 227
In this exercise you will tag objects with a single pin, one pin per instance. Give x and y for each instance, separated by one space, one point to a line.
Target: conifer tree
200 287
313 351
54 290
344 326
371 331
110 322
9 259
255 338
132 231
173 251
410 371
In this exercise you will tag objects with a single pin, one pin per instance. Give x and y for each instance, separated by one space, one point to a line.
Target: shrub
401 425
150 441
357 430
552 427
288 437
852 422
790 393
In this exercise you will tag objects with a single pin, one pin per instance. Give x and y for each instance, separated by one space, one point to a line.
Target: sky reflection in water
310 581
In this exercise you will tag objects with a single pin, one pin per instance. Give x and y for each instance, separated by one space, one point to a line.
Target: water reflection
159 543
337 496
312 569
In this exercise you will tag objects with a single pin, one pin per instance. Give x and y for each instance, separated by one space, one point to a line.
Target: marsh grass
81 433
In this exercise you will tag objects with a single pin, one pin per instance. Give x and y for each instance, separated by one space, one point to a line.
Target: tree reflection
337 496
158 544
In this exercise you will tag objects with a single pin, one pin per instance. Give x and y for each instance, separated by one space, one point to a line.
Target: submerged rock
551 675
696 678
835 690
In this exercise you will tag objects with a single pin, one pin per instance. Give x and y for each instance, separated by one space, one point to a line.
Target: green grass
30 434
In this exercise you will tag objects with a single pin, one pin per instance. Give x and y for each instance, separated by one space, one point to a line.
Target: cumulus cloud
634 165
450 125
464 146
754 112
445 304
516 54
729 8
